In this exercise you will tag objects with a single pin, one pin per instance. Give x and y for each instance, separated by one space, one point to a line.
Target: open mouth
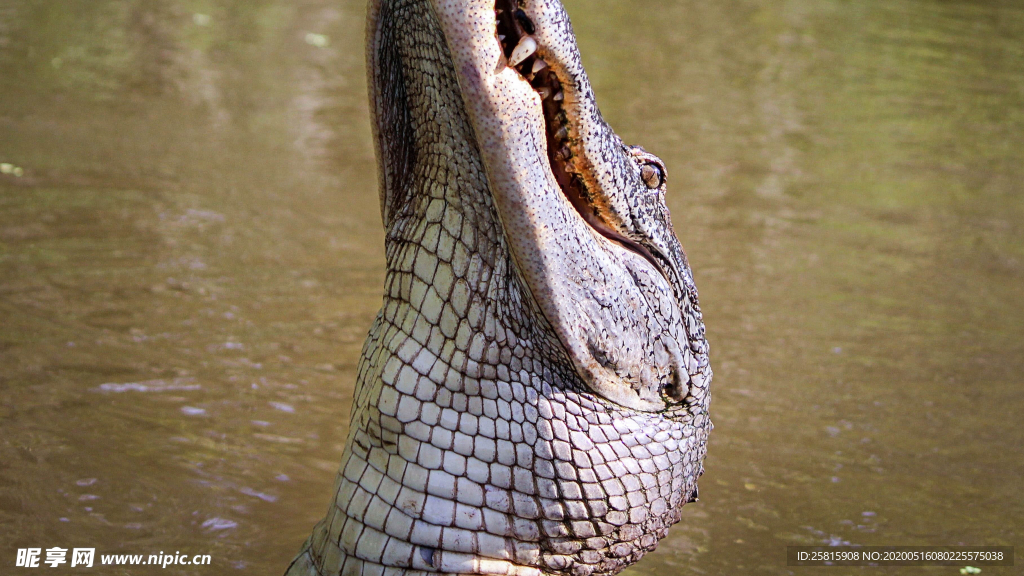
565 156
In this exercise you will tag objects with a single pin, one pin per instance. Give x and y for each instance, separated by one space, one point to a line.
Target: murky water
191 254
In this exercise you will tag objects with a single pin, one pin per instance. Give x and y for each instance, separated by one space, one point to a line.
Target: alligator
532 398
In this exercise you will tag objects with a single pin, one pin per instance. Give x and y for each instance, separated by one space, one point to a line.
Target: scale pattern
474 448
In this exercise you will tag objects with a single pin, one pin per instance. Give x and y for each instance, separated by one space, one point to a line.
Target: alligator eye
652 175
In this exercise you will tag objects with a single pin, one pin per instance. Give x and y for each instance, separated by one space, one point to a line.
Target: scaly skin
532 397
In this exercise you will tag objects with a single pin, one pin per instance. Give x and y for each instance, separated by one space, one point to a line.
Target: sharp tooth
526 47
559 97
562 133
538 65
501 37
544 92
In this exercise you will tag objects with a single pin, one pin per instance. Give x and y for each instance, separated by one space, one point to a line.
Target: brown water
192 254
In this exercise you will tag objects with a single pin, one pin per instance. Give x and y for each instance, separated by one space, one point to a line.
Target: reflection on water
190 256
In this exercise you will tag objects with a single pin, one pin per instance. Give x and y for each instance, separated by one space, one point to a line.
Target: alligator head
532 398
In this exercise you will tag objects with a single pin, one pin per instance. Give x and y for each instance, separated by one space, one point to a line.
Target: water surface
191 255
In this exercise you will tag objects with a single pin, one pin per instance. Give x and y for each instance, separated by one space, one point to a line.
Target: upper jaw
610 281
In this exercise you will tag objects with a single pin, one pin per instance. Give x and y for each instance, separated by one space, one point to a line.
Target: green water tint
191 256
